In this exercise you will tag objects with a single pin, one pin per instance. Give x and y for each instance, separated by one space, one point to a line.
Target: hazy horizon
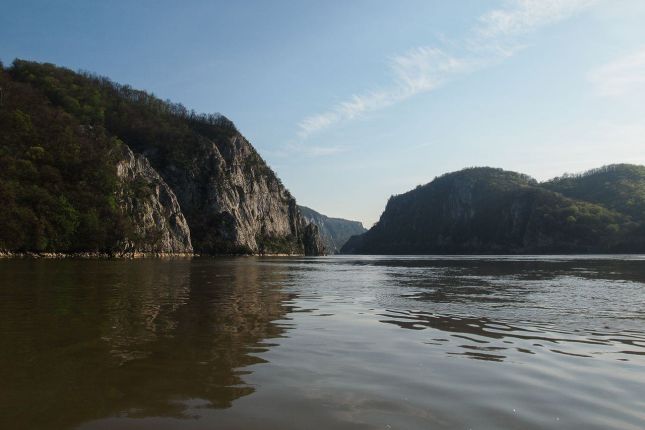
351 103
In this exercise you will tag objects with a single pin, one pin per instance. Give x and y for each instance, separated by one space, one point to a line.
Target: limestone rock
159 226
233 202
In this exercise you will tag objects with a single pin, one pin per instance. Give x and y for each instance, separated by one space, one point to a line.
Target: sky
352 101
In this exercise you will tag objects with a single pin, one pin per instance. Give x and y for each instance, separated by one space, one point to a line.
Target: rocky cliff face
313 242
335 232
158 225
233 201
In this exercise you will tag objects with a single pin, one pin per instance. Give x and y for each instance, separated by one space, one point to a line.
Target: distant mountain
334 231
486 210
89 165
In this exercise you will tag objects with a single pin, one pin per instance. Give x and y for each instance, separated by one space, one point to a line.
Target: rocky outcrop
158 224
312 240
233 201
335 232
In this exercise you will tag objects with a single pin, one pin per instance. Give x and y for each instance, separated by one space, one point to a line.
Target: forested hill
618 186
486 210
87 164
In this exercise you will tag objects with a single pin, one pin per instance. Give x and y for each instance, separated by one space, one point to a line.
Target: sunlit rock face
233 201
158 223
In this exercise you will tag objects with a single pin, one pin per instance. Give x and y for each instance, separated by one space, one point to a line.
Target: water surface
320 343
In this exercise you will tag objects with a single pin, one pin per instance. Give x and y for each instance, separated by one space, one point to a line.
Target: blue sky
353 101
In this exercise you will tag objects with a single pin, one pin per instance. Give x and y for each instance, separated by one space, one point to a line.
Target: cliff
233 201
158 224
335 232
90 165
485 210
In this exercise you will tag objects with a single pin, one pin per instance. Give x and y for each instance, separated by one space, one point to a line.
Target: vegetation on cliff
620 187
57 176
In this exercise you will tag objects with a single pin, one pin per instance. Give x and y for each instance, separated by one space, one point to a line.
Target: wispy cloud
625 75
419 70
525 16
496 36
424 68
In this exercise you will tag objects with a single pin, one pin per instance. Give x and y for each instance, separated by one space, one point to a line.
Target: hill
620 187
486 210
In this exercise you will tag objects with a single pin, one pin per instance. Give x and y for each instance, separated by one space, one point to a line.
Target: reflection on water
334 342
87 339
